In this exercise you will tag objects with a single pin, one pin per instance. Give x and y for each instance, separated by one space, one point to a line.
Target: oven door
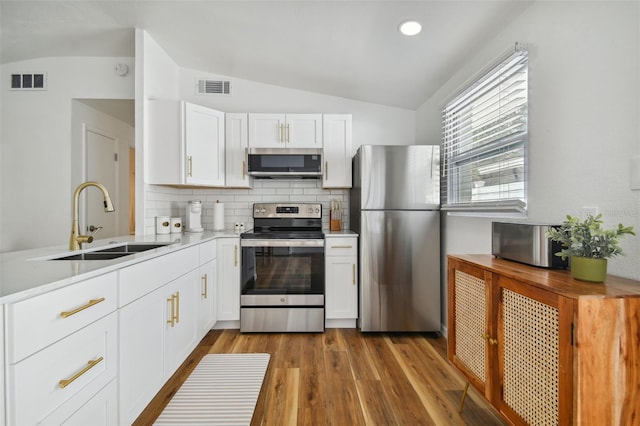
282 285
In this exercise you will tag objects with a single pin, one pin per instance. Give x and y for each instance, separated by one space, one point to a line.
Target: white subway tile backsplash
238 203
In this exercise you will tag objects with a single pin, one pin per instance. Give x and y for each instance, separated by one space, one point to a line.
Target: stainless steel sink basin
131 248
112 252
93 256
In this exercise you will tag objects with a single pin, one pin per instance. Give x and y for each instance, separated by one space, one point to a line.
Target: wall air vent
213 87
29 81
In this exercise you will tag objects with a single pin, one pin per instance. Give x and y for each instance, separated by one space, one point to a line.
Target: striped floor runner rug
222 390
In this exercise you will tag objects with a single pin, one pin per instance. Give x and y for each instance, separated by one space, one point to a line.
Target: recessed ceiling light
410 28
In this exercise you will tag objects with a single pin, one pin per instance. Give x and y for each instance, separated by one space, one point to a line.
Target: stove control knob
310 210
317 210
263 210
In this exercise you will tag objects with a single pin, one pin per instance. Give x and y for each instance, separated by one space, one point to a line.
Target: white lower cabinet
228 279
157 332
57 381
341 280
206 295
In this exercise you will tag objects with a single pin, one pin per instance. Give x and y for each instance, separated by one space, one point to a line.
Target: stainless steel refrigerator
395 208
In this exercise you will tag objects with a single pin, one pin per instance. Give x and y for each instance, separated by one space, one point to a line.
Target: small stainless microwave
267 162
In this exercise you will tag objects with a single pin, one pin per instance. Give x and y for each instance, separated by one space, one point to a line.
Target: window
485 141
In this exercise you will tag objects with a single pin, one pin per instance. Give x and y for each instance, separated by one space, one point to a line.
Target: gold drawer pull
90 365
172 316
65 314
343 247
204 286
354 273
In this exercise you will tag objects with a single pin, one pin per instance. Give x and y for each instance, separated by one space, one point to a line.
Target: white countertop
343 233
28 273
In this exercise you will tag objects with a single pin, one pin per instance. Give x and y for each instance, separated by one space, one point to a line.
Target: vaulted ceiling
350 49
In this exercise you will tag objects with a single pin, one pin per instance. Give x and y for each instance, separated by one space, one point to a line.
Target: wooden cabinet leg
464 396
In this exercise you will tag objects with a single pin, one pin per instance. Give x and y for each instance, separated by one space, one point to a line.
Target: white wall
36 145
584 115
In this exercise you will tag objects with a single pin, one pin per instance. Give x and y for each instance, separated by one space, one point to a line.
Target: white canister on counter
176 225
163 225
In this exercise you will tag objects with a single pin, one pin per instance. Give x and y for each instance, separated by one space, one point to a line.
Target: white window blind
485 141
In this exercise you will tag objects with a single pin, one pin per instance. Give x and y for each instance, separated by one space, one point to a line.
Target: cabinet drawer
37 322
101 410
207 252
142 278
87 360
341 247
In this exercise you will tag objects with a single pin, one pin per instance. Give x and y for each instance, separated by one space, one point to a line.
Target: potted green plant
588 245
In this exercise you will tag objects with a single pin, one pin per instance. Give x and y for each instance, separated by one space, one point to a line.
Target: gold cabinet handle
354 273
204 286
177 307
341 247
281 133
244 167
190 161
326 170
288 134
66 382
235 255
65 314
172 317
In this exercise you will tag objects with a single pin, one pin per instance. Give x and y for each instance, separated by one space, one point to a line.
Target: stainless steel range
283 269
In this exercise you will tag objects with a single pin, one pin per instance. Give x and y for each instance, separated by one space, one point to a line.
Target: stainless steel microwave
274 162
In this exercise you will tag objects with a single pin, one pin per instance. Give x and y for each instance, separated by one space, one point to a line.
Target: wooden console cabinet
542 347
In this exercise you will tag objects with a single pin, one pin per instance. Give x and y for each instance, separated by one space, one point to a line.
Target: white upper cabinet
237 141
337 151
185 144
285 130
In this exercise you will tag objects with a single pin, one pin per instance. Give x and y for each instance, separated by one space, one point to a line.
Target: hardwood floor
344 377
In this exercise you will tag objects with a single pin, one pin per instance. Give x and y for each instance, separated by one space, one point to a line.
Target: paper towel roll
218 216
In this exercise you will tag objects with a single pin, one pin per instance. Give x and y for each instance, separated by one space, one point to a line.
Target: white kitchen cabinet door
181 321
266 130
285 130
303 130
185 144
228 300
341 278
236 143
141 332
204 135
207 309
337 146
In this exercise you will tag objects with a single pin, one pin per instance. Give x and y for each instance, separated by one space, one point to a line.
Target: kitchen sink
112 252
93 256
131 248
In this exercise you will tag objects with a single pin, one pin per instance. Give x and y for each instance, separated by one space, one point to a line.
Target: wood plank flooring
344 377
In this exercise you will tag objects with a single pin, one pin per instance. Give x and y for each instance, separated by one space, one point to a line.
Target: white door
102 166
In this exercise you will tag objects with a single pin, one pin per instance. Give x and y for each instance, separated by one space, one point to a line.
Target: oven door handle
316 242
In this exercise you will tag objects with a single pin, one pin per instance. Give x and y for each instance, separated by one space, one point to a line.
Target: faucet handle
94 229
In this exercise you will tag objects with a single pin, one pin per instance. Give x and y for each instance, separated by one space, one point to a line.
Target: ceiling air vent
213 87
30 81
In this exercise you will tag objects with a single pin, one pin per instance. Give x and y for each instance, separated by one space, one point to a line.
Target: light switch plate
634 172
